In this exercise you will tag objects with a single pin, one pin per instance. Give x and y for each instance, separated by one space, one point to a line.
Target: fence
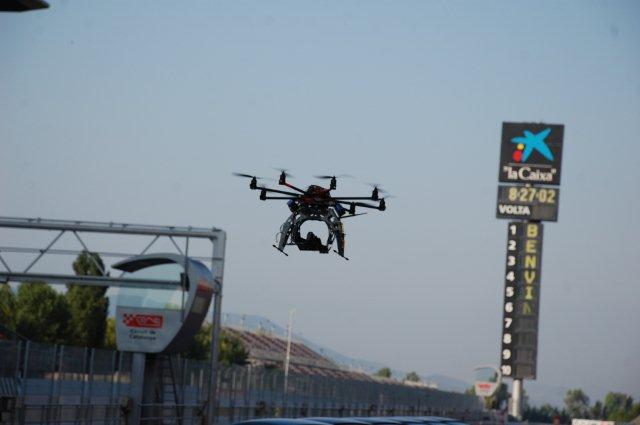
70 385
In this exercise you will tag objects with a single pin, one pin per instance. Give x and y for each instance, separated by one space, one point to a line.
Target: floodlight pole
217 269
287 359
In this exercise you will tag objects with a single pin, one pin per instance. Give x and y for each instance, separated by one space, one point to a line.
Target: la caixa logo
531 153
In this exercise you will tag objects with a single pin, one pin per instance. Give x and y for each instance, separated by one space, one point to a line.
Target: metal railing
70 385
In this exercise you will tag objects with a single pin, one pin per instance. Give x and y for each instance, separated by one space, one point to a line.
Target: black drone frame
315 203
351 201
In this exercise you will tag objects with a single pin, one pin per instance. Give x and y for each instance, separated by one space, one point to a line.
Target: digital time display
532 194
528 202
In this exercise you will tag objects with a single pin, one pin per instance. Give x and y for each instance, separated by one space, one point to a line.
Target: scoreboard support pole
516 397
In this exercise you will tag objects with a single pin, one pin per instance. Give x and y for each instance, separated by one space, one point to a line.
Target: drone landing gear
340 255
280 250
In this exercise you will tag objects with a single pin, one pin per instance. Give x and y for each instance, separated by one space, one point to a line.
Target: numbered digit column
521 300
514 238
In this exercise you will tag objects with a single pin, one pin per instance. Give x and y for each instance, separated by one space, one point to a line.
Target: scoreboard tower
530 165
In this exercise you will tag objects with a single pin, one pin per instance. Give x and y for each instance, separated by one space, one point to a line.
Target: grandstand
268 350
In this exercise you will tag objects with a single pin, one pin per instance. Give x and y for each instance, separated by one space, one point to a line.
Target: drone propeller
283 171
376 190
339 176
378 187
254 180
334 179
282 180
249 176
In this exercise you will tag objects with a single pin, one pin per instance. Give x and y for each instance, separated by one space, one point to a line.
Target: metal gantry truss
76 228
217 237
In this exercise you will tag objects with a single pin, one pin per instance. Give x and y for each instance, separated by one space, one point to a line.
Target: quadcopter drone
315 204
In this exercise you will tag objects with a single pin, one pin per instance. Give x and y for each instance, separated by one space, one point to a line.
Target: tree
7 306
87 304
597 411
495 401
618 407
634 413
542 414
525 399
232 351
545 414
110 334
385 372
412 377
41 314
577 403
500 397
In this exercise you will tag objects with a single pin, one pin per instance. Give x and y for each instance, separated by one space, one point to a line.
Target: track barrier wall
53 384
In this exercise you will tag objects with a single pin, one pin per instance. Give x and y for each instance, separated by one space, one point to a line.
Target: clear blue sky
138 112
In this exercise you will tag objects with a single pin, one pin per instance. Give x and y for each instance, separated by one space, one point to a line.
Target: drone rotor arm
361 204
290 186
283 192
353 198
351 215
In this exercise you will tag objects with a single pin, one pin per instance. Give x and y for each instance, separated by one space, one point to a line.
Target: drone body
314 204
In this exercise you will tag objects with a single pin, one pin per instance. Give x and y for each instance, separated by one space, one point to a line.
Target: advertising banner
531 153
